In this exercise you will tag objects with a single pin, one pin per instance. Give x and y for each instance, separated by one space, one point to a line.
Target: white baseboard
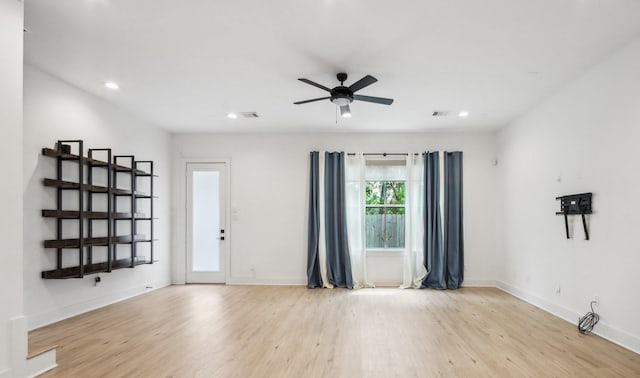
303 281
276 281
8 373
613 334
41 363
479 283
21 366
56 315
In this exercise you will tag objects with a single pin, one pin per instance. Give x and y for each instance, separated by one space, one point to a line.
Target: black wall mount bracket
575 204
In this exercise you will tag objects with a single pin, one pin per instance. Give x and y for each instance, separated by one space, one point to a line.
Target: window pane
385 172
394 192
384 227
385 193
206 221
373 210
374 193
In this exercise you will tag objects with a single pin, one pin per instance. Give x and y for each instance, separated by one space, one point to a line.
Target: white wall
583 139
54 110
11 24
269 185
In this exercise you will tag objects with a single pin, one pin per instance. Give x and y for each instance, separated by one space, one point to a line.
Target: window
385 204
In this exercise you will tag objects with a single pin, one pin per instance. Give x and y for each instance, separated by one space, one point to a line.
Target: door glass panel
206 221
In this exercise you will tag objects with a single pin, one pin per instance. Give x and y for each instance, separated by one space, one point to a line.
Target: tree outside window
385 214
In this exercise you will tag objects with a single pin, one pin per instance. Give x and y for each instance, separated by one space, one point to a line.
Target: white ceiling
183 65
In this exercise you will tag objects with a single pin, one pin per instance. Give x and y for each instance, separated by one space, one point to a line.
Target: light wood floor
269 331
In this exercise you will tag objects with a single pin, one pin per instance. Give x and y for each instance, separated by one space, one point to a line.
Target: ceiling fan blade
377 100
312 100
364 82
315 84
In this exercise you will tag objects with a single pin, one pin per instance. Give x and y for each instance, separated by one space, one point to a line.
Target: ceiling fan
342 96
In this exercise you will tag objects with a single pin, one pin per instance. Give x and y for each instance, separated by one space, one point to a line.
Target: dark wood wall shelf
86 187
70 214
86 160
92 242
98 222
94 268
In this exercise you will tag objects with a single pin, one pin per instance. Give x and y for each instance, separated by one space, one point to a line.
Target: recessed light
111 85
232 115
463 114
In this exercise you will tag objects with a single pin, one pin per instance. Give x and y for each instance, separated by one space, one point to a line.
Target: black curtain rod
383 154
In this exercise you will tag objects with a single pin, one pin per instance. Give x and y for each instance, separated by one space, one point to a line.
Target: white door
206 223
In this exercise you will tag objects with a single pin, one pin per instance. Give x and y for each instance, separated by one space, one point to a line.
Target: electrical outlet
597 300
558 289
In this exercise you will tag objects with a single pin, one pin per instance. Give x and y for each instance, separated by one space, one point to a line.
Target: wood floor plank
292 331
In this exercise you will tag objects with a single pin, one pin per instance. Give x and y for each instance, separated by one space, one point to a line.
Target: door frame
227 210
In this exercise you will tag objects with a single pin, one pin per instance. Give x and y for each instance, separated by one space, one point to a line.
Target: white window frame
382 251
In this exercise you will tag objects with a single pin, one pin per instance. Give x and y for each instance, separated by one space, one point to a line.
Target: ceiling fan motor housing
341 96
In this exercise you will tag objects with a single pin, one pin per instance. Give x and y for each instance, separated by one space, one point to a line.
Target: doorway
206 223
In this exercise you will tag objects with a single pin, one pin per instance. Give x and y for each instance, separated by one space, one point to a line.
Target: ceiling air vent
440 113
249 114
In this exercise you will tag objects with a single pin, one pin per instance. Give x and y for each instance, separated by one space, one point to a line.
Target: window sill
384 252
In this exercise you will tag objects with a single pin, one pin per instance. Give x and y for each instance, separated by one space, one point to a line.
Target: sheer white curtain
355 186
413 270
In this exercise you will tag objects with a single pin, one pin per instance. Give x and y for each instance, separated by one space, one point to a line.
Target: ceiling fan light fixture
341 101
345 111
232 115
463 113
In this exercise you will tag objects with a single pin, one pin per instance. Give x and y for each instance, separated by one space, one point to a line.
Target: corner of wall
604 330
